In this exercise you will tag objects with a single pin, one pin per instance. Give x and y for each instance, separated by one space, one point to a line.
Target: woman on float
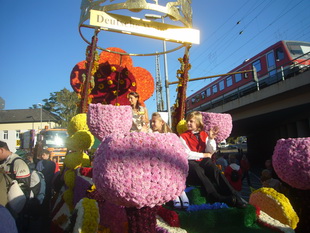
140 121
202 170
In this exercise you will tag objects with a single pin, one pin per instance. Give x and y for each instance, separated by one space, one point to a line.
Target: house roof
26 115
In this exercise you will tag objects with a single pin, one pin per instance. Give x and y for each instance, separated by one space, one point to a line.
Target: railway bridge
281 110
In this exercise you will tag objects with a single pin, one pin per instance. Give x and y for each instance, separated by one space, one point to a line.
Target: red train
278 62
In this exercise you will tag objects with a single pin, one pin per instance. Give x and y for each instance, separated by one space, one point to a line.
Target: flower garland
221 120
276 205
74 160
87 220
69 178
291 161
104 120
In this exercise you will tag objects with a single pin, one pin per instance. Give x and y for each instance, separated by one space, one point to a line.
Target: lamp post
154 16
40 113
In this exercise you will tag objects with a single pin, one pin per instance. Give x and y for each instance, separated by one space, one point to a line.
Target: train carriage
278 62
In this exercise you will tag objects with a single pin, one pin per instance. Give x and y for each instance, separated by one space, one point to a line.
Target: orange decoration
115 59
144 82
114 79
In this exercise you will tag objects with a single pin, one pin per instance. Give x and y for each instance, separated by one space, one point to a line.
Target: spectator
233 173
17 170
245 167
268 181
221 161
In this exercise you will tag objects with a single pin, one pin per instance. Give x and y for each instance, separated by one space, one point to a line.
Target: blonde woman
158 124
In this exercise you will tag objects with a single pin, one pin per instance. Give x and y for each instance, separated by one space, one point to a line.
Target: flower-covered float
132 178
133 175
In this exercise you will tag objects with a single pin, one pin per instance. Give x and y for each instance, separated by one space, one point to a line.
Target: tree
64 104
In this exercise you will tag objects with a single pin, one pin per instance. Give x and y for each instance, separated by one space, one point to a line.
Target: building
15 122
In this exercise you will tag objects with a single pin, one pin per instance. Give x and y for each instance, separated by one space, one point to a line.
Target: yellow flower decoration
115 92
78 122
113 68
121 81
74 160
101 86
181 126
91 216
68 198
85 160
117 104
110 82
69 178
87 220
81 140
133 84
276 205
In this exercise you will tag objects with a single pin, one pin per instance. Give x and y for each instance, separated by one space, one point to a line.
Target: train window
214 89
270 60
203 95
238 77
208 91
193 100
279 54
229 81
197 98
221 85
257 64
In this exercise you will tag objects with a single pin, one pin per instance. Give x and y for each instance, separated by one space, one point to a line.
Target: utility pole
159 88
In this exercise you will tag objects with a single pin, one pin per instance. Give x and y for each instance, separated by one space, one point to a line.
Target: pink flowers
140 169
222 120
106 119
291 161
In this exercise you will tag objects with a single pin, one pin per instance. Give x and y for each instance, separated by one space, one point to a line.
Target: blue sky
40 42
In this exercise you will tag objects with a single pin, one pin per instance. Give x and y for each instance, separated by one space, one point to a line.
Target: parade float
129 181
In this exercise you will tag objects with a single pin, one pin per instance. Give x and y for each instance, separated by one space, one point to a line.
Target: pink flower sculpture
140 169
222 120
103 120
291 161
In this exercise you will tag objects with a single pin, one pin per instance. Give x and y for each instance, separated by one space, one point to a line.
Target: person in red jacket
233 173
199 146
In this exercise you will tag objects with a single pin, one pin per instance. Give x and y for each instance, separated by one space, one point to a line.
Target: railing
286 71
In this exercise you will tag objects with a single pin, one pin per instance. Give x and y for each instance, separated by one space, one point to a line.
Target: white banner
143 27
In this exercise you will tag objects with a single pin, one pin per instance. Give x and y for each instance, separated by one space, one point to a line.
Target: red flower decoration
114 80
169 216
